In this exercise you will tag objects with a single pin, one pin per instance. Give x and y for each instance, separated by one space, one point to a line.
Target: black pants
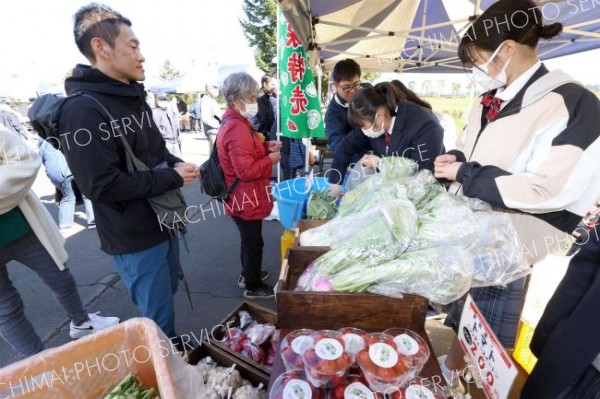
251 251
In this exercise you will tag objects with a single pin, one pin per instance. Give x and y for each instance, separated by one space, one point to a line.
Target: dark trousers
251 251
15 328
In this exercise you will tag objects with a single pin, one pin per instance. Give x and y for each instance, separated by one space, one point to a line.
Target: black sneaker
264 292
264 275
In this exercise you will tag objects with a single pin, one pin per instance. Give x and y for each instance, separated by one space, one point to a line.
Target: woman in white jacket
530 149
29 235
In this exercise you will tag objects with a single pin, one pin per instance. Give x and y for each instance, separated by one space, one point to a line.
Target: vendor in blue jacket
389 126
346 81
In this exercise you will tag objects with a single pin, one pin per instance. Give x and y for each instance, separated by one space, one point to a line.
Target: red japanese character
292 38
298 101
295 66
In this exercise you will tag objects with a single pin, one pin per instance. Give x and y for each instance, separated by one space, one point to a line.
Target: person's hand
274 146
444 160
188 171
370 161
447 171
275 157
336 190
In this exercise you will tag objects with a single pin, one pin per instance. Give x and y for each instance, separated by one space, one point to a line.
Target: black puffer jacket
95 154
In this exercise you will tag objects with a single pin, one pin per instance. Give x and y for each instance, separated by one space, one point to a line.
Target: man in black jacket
566 340
128 228
267 103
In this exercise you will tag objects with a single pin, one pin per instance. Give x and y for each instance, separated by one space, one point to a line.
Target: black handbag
170 207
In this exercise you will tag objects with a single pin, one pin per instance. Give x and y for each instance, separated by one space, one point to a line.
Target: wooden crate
258 313
307 224
333 310
252 374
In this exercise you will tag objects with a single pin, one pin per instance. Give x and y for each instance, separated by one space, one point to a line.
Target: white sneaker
95 324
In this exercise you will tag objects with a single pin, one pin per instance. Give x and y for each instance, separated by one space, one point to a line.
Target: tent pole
278 116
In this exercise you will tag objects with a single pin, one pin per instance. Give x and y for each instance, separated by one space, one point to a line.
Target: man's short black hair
96 20
345 70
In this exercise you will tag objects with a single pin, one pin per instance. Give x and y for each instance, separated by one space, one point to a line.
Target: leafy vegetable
321 205
131 388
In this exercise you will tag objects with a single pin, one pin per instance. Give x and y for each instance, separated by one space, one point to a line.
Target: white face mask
370 133
251 110
481 74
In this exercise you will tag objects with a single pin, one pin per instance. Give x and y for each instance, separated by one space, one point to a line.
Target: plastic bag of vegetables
384 232
422 188
371 223
444 221
441 275
375 195
396 169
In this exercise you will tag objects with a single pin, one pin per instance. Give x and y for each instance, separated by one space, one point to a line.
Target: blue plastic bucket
292 197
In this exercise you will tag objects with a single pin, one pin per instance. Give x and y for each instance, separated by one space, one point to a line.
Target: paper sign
493 366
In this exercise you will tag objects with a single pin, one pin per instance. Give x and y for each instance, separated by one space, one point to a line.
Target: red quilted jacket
242 154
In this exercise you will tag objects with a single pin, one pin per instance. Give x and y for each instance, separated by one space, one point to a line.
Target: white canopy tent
423 35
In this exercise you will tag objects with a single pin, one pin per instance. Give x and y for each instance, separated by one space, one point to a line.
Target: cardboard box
258 313
92 366
334 310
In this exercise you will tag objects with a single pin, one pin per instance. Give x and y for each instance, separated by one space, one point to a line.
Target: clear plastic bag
440 274
444 221
357 175
378 235
258 334
496 257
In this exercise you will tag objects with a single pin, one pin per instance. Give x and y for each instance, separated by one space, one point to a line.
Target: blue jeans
66 209
151 279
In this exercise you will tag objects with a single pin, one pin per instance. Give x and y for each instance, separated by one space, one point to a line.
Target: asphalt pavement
212 267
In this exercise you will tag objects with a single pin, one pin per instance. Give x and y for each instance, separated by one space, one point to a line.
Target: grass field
456 107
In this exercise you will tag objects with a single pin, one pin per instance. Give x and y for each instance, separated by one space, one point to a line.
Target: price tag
489 362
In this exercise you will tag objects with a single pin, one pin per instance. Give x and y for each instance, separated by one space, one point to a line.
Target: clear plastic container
354 340
327 363
415 390
413 345
293 385
354 390
293 347
382 365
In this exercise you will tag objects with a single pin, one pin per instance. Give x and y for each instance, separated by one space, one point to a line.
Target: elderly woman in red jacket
246 156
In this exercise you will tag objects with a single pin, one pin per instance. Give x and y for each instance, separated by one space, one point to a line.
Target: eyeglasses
350 87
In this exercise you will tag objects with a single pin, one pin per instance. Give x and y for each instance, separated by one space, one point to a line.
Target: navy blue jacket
566 339
416 134
336 122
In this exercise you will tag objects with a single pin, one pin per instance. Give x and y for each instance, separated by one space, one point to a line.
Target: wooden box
307 224
252 374
260 314
334 310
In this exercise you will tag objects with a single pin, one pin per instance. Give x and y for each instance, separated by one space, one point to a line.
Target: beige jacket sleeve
19 164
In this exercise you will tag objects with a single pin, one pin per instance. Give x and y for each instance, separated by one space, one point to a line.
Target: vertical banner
489 365
300 106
